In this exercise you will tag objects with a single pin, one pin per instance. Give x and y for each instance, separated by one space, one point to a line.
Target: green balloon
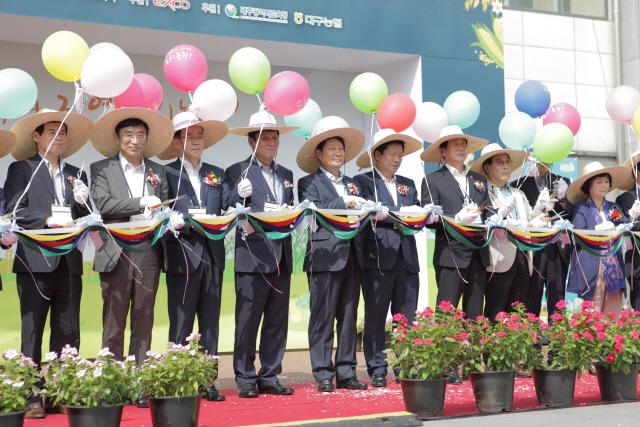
367 91
249 70
553 143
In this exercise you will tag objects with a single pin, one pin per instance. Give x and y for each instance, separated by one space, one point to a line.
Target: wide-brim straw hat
411 145
214 131
262 119
432 153
160 131
621 178
517 157
353 143
78 130
8 140
633 161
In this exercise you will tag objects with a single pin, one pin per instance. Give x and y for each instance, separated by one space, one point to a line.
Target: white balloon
215 100
103 45
430 120
107 73
329 123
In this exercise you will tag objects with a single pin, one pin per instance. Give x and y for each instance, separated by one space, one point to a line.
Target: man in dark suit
193 263
333 265
262 267
391 265
630 205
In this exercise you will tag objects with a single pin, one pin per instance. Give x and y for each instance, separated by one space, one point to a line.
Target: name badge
136 218
61 213
197 211
268 207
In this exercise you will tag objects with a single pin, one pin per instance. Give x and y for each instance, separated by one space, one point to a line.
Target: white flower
104 352
97 372
496 7
132 357
16 385
51 356
157 356
69 351
153 366
10 354
174 358
150 353
193 352
192 336
80 374
500 22
7 381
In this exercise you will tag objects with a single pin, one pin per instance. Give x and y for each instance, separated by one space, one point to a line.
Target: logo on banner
173 4
231 11
298 17
317 20
211 8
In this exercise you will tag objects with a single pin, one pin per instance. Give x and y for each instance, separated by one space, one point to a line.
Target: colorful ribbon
409 225
214 229
474 237
340 226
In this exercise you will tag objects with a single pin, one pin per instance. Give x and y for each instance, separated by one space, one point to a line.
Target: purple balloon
565 114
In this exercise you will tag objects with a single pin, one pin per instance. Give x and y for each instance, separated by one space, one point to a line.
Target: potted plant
92 392
359 332
172 381
18 376
423 351
388 330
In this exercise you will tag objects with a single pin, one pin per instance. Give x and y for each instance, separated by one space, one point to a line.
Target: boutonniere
615 214
71 180
211 179
353 189
287 184
403 190
479 186
152 178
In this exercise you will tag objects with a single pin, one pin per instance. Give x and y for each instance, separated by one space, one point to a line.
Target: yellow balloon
63 54
636 121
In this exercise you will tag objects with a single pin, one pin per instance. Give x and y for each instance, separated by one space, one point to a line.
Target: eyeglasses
503 162
131 138
193 139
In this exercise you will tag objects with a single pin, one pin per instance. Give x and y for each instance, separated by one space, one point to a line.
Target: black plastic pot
554 387
617 385
94 416
425 398
182 411
359 341
493 390
12 419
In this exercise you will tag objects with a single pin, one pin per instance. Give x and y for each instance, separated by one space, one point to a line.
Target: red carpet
308 404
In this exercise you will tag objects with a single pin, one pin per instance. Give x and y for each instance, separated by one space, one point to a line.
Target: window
586 8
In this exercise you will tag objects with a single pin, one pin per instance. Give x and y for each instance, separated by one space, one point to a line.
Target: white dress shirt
338 183
194 178
134 176
272 180
461 178
57 176
391 187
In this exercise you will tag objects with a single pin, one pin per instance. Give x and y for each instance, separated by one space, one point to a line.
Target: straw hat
214 131
78 128
517 157
160 131
8 140
411 145
432 153
620 175
633 161
353 144
262 119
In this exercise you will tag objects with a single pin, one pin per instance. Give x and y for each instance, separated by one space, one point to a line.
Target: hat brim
8 140
621 178
160 131
432 153
353 143
411 145
214 132
633 161
246 131
517 159
79 128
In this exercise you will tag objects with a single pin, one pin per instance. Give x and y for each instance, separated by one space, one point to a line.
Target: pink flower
397 317
619 338
588 304
463 336
501 334
427 342
618 348
561 305
445 305
417 341
601 335
611 357
635 335
576 335
501 315
557 316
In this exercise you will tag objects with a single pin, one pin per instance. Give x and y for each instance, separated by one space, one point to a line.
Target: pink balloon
565 114
286 93
185 67
145 92
622 103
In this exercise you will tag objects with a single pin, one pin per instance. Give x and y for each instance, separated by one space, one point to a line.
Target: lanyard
266 185
53 181
127 182
465 192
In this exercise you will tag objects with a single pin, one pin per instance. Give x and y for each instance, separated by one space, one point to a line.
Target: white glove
507 206
624 227
545 202
353 201
176 222
80 192
605 226
54 222
244 188
9 239
561 189
634 212
466 216
148 201
381 214
537 222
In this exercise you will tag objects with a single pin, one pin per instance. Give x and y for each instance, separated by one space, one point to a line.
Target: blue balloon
18 93
305 119
533 98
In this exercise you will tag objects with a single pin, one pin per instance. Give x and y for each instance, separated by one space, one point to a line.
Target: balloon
463 108
430 120
185 67
328 123
517 131
533 98
249 70
107 73
553 143
144 92
397 112
636 119
565 114
367 91
103 45
622 103
286 93
215 100
63 54
18 93
305 119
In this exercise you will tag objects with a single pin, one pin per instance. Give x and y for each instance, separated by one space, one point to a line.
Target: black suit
58 278
452 260
334 269
632 256
391 269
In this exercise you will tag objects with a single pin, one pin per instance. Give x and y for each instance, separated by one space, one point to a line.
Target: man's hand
244 188
80 192
149 201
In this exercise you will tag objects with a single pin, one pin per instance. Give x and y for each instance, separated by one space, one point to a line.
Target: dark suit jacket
262 249
626 201
36 209
111 196
447 193
390 240
212 200
325 252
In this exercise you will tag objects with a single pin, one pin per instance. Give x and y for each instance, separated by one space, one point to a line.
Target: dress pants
552 272
634 295
503 289
334 296
451 287
397 287
125 287
256 300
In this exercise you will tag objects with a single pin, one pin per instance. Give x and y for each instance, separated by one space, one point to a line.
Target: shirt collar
124 162
190 169
393 178
455 171
332 176
48 164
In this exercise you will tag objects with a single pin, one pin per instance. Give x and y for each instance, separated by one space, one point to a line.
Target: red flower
427 342
576 335
501 334
501 315
601 335
445 305
417 341
463 336
619 338
610 358
618 348
588 304
556 316
397 317
561 304
635 335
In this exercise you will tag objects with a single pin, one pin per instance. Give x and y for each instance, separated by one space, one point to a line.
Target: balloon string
373 175
634 165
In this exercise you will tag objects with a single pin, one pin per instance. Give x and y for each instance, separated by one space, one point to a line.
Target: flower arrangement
72 180
211 180
479 186
287 184
353 189
153 179
617 340
18 376
403 190
388 325
615 214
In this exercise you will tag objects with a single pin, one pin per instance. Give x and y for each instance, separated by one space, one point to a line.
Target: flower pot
12 419
617 385
554 387
359 341
175 410
425 398
493 390
94 416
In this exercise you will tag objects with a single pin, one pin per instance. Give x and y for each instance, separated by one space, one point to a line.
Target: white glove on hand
244 188
381 214
148 201
176 222
9 239
54 222
561 189
605 226
353 201
537 222
80 192
507 206
543 200
466 216
634 212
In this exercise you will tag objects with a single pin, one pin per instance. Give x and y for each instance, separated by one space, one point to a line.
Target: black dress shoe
276 388
453 377
379 380
248 390
142 402
213 395
351 383
325 386
591 369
